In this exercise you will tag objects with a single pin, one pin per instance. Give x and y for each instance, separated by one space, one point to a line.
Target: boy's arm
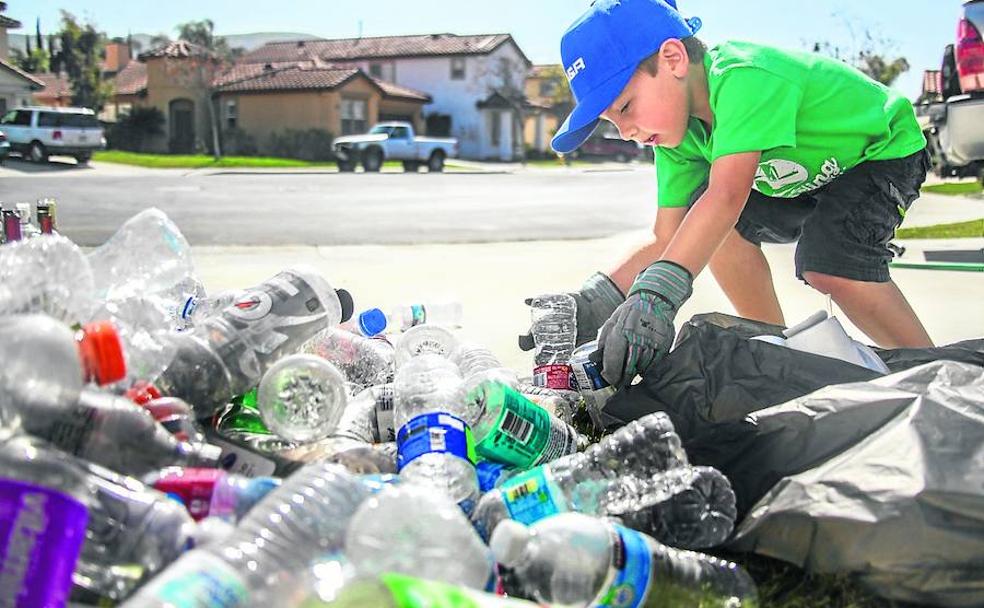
668 221
640 331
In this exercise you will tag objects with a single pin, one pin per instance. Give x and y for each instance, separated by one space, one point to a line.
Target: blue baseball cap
602 50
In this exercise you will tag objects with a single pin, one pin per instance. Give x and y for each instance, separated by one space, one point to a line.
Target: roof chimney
300 44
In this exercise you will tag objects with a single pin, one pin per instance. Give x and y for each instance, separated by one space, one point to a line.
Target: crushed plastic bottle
47 275
212 492
554 332
436 448
364 361
302 397
406 316
477 364
228 354
411 530
424 340
304 519
576 560
595 390
580 482
369 415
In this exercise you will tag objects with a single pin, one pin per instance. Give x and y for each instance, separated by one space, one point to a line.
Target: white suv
39 132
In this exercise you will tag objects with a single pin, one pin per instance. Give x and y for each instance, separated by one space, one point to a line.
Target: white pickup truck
39 132
393 141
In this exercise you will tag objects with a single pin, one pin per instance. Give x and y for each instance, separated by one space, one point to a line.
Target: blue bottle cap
372 322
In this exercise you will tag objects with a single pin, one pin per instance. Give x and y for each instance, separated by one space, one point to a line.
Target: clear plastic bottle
512 429
405 316
478 364
303 519
228 354
411 530
577 560
554 332
177 417
208 492
302 397
364 361
435 444
424 340
369 415
580 482
49 275
44 500
123 523
391 590
368 323
28 229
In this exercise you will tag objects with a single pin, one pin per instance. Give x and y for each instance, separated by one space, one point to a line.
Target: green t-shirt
812 117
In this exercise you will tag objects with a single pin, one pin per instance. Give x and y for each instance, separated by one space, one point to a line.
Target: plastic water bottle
554 332
177 417
144 324
369 416
478 364
411 530
303 519
561 404
49 275
363 361
436 448
595 389
391 590
212 492
228 353
580 482
424 340
405 316
368 323
28 229
577 560
512 429
44 500
302 397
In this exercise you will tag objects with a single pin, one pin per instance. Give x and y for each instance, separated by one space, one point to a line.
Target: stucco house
16 85
475 82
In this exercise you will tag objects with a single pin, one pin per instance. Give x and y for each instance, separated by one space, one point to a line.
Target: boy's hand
596 301
640 332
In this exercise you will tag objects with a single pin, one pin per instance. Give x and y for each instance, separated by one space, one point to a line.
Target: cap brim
583 119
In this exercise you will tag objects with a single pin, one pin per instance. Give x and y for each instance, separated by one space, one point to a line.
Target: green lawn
198 161
957 188
973 228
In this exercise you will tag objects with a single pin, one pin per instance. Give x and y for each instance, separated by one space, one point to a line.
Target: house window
354 112
376 70
548 88
231 113
496 128
457 68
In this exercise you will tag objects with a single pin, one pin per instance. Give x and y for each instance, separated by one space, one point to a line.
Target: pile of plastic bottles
160 446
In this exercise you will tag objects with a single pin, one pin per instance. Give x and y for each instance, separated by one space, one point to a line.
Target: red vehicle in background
951 108
605 144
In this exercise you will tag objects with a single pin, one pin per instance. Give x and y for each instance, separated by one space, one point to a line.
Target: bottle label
431 433
631 570
41 536
384 431
524 434
410 592
418 315
242 461
587 375
194 486
197 580
557 377
532 496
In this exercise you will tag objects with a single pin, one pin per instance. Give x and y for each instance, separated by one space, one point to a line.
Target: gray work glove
596 301
640 332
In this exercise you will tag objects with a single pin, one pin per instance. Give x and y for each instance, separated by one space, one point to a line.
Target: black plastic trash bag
891 486
715 376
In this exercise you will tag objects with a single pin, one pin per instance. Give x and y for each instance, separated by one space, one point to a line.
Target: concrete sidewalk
491 281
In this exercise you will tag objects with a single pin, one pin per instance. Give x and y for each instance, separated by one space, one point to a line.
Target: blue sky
919 28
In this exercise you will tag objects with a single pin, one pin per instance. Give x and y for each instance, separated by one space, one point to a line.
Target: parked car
39 132
4 147
951 109
606 144
393 141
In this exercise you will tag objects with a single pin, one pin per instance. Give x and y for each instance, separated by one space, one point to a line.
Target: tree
869 52
79 55
36 63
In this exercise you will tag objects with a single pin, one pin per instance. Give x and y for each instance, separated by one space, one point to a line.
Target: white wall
483 73
14 90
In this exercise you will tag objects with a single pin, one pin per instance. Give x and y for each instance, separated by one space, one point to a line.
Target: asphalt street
327 208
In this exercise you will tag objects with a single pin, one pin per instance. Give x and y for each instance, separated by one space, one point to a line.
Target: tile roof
290 78
377 48
55 85
541 70
177 49
35 83
8 23
131 79
391 89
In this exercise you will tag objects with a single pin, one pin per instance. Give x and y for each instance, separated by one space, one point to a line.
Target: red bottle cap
142 392
101 352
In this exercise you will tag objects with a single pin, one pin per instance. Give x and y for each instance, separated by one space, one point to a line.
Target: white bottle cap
508 542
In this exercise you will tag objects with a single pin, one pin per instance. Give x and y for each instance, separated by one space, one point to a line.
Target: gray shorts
842 229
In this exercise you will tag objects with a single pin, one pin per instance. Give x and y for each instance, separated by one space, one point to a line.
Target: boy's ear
674 57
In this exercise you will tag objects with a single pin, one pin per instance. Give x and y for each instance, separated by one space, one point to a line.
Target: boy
753 144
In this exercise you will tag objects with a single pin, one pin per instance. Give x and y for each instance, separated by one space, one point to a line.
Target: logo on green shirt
788 179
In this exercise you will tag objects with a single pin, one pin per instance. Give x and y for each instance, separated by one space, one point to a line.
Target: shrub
307 144
236 142
133 130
